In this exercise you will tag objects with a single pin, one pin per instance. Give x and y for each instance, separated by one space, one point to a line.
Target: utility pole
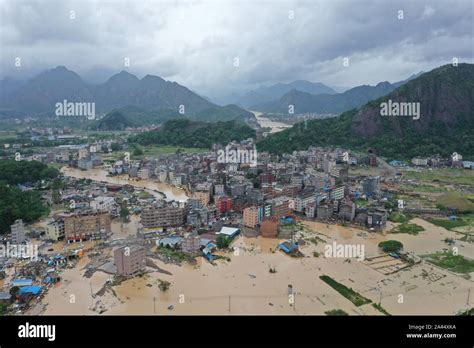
229 305
154 305
468 295
294 301
92 296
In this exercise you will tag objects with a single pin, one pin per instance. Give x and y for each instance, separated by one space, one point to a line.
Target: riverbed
274 126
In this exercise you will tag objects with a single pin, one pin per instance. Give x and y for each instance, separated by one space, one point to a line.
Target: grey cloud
195 43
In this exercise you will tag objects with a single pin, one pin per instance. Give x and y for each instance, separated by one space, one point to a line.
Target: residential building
86 225
269 228
370 186
129 260
203 196
347 210
55 230
191 244
301 201
251 217
18 232
163 216
224 204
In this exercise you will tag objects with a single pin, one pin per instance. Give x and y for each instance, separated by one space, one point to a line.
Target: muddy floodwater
245 284
100 175
274 126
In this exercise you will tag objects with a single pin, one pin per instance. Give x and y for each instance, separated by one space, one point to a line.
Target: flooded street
101 175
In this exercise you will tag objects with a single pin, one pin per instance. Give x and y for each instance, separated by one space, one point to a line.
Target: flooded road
100 175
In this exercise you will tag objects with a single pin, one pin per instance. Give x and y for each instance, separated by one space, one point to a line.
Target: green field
448 224
443 176
400 217
455 200
407 228
454 263
424 188
356 298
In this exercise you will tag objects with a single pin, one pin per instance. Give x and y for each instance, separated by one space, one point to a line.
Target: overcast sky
196 43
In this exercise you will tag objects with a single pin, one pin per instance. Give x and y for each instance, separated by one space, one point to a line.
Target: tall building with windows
18 232
129 260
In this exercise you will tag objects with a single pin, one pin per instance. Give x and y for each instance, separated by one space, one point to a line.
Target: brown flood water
98 174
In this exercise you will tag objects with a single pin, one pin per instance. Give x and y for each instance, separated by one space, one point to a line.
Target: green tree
391 246
124 213
115 147
222 242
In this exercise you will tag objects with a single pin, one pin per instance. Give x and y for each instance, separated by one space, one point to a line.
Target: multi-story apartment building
337 193
55 230
103 203
163 216
224 204
370 186
279 206
347 210
203 196
18 232
129 260
302 201
86 225
251 217
269 228
191 244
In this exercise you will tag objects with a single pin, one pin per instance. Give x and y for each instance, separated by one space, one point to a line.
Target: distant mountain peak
123 76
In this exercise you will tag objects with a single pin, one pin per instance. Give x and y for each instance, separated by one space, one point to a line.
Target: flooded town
321 231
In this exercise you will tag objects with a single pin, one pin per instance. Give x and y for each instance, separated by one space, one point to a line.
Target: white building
55 230
103 203
455 157
18 232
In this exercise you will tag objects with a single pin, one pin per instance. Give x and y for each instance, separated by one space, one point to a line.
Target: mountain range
151 93
327 103
265 94
445 97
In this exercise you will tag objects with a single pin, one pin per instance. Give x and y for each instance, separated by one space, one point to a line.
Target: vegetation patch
164 285
451 262
380 308
407 228
336 312
390 246
172 254
357 299
448 224
400 217
456 201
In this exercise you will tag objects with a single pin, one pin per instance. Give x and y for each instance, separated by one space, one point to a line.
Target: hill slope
325 103
39 96
446 124
268 93
189 133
